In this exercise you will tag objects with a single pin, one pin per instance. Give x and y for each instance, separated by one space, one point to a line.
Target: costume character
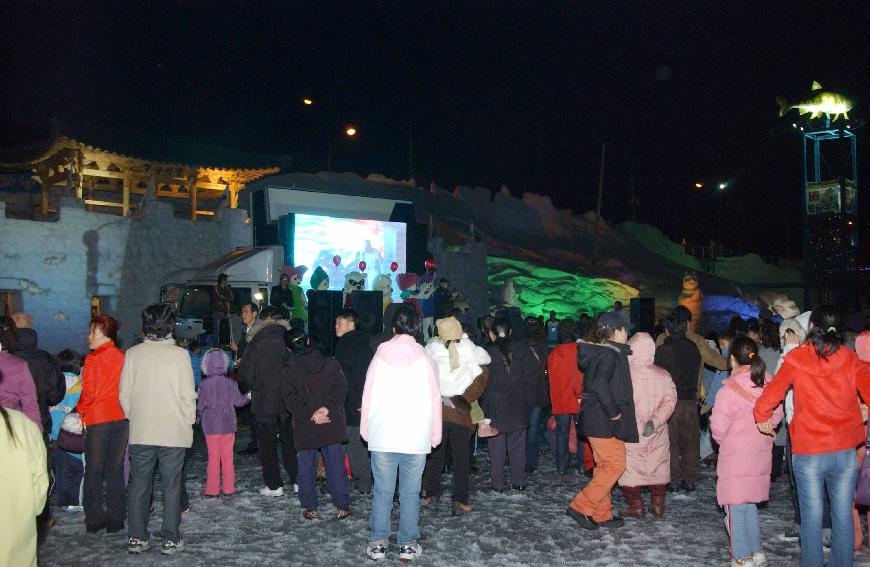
425 291
353 281
692 298
300 303
319 281
408 285
384 284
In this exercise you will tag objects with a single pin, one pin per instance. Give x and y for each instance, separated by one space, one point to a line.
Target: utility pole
598 208
410 149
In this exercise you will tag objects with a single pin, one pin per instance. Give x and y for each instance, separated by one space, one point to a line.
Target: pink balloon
394 266
336 260
362 265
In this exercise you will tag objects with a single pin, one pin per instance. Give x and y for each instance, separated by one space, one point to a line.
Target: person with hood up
17 389
261 372
504 404
647 462
566 391
314 390
216 404
461 379
401 420
607 419
826 427
743 468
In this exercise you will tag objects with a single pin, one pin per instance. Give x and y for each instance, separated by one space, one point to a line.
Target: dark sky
681 92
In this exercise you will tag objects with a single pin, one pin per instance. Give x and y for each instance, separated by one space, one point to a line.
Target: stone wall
58 266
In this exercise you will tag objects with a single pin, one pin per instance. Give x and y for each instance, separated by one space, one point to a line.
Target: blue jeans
532 434
385 466
742 523
563 431
838 472
336 476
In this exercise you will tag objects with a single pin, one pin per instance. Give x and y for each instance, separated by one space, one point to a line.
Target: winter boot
657 501
634 500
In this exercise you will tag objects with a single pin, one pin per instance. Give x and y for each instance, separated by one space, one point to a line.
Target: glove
649 428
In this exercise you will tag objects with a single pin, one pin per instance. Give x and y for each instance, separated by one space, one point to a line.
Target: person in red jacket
106 437
566 391
826 427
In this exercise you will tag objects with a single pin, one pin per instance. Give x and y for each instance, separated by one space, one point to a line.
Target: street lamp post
349 131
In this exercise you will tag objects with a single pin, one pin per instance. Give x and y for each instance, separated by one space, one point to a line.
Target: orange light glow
350 132
699 185
307 101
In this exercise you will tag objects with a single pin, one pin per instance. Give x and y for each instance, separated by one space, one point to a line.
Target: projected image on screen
318 239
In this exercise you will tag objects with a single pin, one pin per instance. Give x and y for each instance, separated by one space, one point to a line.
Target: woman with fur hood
462 379
647 462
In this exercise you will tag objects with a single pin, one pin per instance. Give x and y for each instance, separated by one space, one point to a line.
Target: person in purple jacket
219 397
17 390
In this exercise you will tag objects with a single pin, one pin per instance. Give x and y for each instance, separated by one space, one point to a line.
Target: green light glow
539 290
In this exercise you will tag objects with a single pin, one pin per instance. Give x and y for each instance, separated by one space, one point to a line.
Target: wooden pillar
79 176
125 208
193 196
91 183
233 188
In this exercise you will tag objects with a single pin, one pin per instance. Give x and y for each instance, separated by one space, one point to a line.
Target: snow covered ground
515 529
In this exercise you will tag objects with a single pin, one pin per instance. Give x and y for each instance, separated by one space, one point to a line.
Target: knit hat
449 329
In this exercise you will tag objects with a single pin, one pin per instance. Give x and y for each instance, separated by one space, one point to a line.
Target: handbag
71 438
486 430
862 489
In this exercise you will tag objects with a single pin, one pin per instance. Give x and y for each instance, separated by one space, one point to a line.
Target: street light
350 131
723 186
699 185
307 101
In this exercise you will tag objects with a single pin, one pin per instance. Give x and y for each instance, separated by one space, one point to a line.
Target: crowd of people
387 412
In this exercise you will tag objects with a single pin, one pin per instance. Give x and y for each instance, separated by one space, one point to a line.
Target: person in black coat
261 371
504 403
537 391
314 391
681 357
353 352
607 418
281 295
50 389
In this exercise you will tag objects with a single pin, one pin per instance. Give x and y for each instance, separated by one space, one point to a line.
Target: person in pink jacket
401 420
17 390
744 464
648 462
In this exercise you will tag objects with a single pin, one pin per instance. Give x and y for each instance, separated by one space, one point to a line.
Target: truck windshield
195 301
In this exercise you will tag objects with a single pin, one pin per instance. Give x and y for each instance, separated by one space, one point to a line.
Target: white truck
252 273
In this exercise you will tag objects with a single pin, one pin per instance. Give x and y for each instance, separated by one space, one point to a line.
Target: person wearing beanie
462 380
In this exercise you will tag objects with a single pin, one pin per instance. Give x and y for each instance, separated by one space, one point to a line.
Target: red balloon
336 260
362 265
394 266
431 265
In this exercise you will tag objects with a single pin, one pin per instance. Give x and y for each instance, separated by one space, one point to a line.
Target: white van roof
242 264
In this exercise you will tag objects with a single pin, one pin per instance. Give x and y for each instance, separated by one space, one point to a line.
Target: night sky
681 92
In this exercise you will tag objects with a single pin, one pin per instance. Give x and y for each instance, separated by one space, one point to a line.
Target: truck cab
252 273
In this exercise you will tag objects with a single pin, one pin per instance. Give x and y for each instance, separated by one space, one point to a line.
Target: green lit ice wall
537 290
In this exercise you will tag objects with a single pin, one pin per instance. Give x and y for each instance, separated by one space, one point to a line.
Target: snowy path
517 529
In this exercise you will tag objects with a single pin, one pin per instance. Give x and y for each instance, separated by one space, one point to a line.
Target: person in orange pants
607 418
594 499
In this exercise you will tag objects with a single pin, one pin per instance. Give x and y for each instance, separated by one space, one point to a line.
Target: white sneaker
376 551
410 551
266 491
295 489
759 559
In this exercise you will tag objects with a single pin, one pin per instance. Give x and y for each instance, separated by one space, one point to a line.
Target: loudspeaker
643 314
369 305
323 306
